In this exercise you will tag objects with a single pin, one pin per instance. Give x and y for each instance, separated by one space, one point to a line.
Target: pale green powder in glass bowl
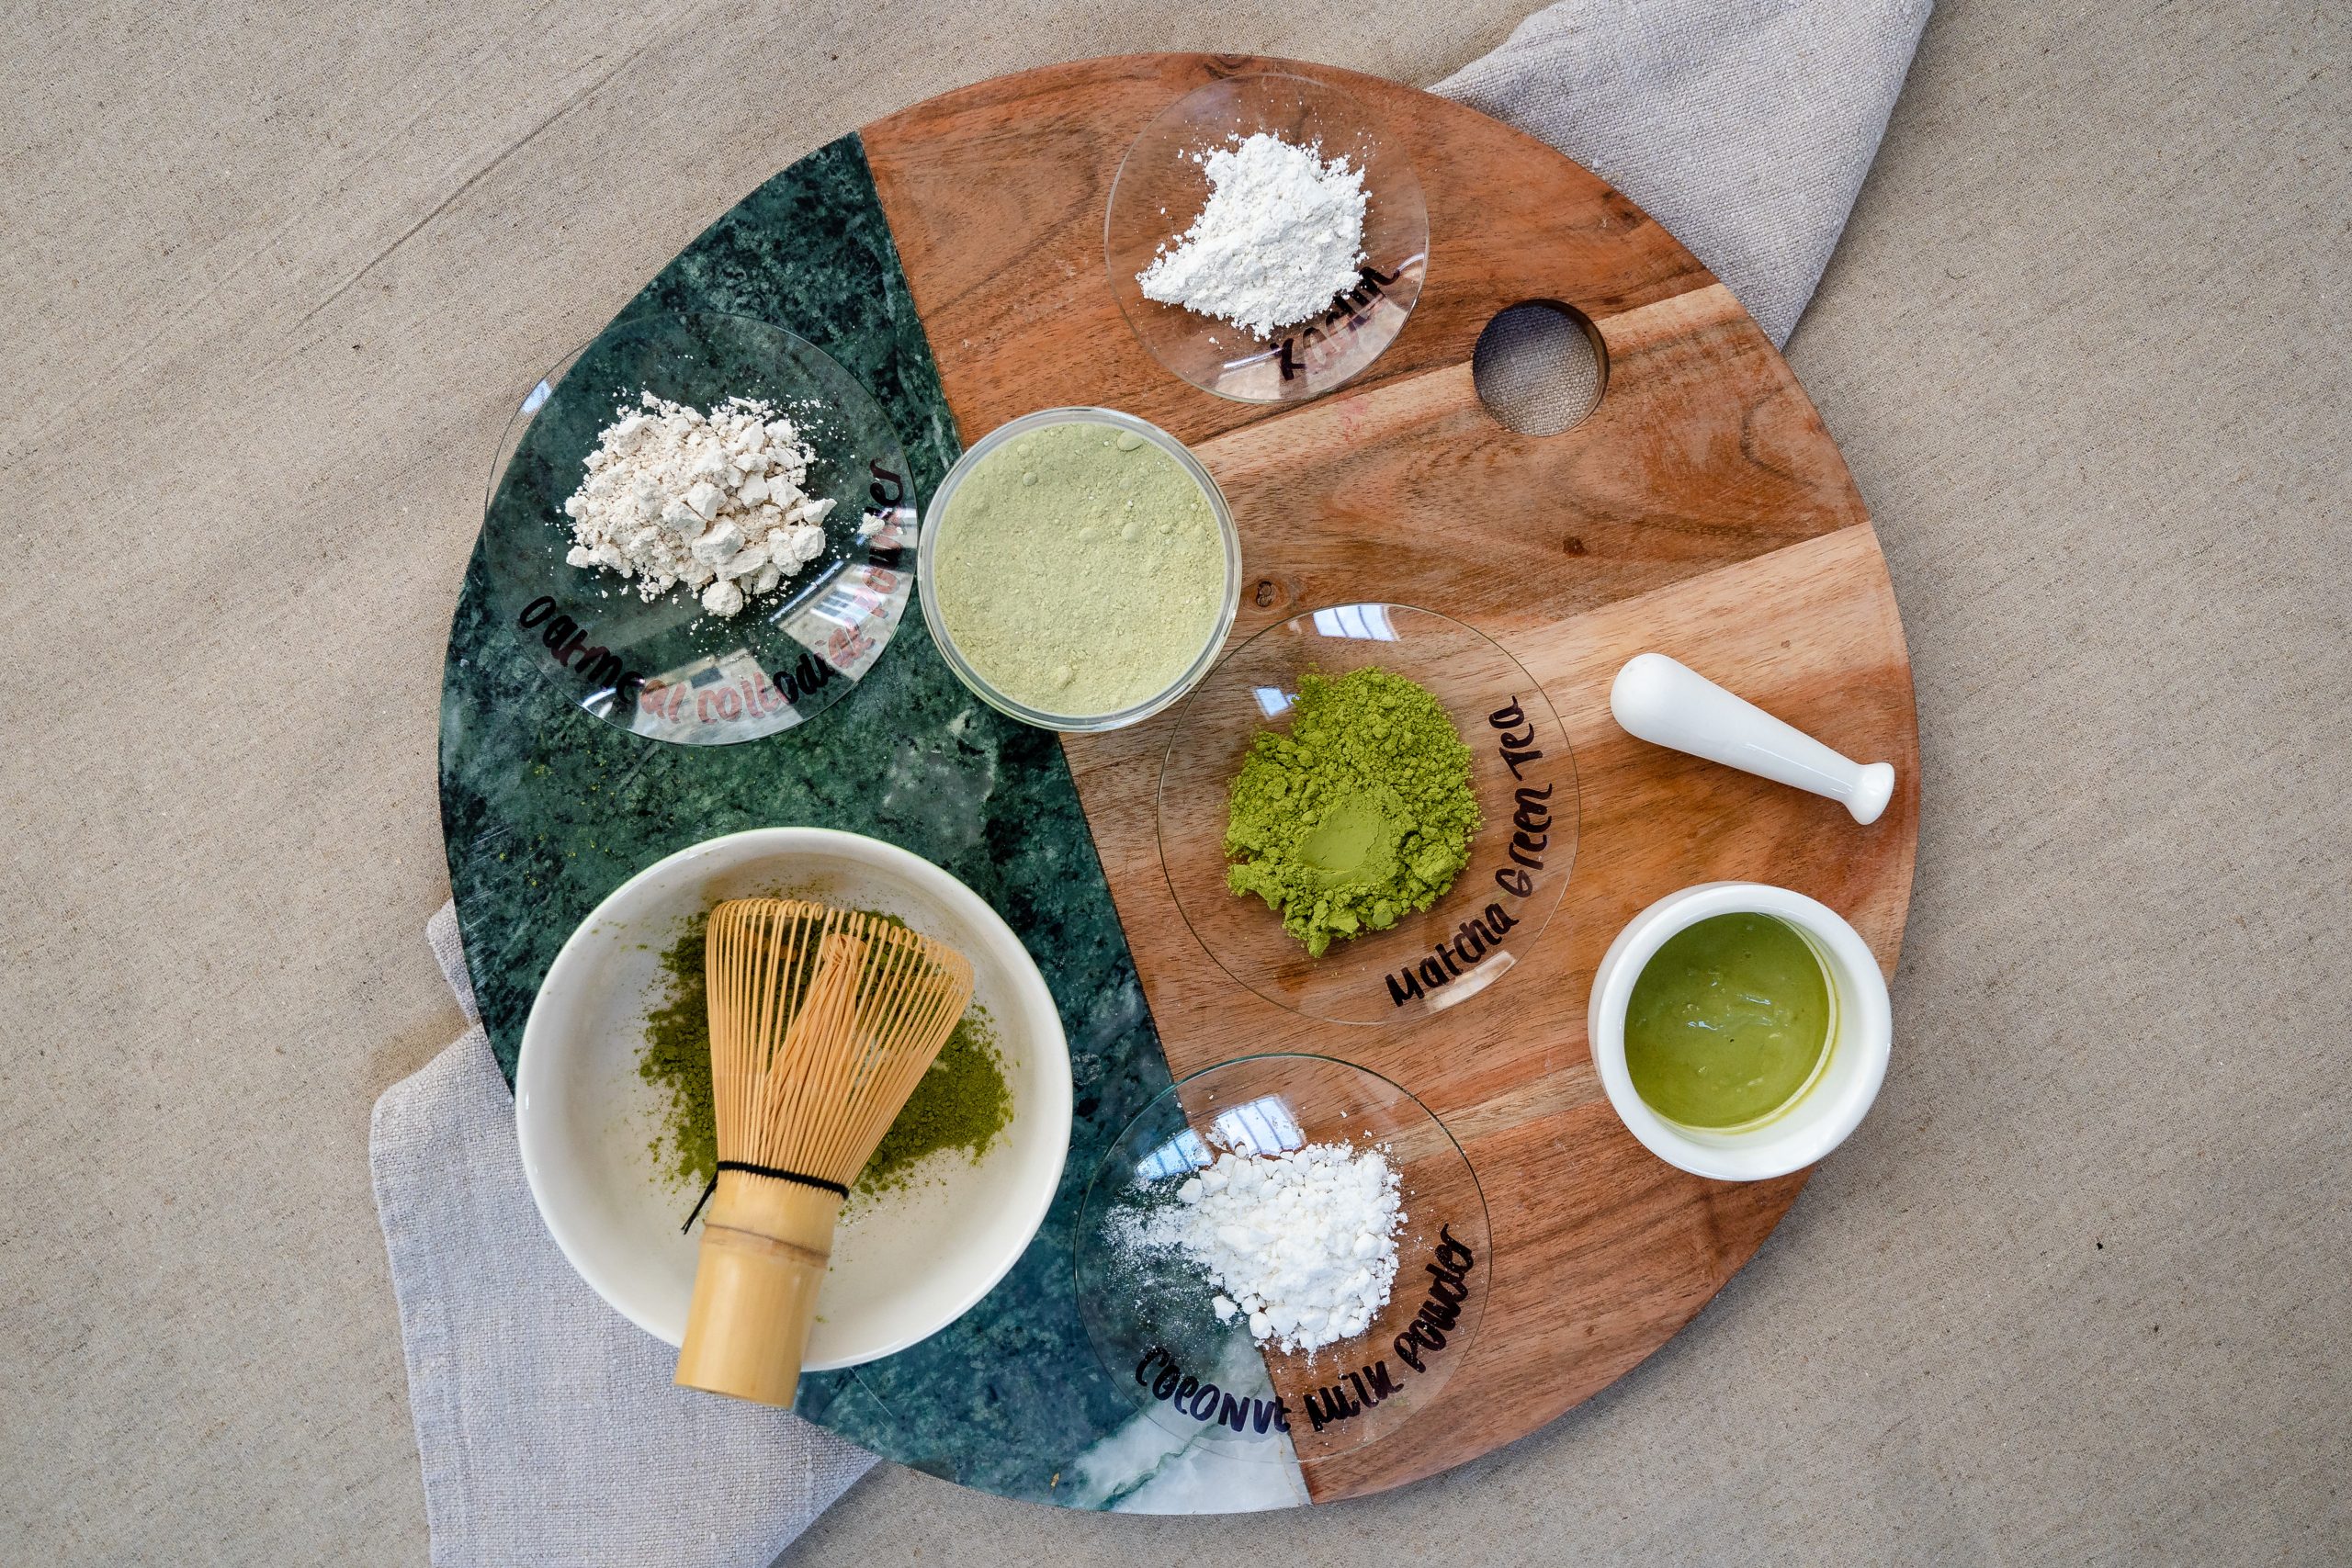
1079 569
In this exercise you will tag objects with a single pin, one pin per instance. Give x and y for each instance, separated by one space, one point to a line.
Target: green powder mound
1360 814
1079 568
676 1059
963 1102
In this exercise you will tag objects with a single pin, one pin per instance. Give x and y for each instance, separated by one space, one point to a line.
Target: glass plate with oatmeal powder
666 667
1415 812
1163 186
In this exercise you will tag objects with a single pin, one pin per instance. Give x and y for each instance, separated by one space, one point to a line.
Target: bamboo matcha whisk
821 1021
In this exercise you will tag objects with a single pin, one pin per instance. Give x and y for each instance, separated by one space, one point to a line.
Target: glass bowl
1521 773
937 512
1149 1312
665 669
1161 185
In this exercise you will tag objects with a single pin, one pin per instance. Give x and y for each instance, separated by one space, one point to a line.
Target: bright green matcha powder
1360 814
1079 568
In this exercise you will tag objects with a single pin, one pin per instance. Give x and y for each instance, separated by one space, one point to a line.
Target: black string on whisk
748 1168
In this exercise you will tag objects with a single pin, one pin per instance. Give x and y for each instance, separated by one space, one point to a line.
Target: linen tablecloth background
547 1424
2074 1293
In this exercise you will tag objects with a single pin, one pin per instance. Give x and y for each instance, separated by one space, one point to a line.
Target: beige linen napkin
1745 127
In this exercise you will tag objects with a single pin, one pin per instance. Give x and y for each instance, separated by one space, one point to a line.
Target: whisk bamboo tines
822 1022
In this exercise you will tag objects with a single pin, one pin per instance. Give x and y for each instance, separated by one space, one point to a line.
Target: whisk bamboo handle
765 1246
768 1240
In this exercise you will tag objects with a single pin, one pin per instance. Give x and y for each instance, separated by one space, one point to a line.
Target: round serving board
1702 510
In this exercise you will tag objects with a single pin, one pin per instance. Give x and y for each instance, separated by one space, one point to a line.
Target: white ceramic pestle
1669 703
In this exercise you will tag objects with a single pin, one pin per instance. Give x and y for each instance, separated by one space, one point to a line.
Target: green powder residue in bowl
676 1059
1079 568
963 1102
1360 814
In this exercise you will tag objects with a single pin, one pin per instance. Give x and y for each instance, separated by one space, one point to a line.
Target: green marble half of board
545 810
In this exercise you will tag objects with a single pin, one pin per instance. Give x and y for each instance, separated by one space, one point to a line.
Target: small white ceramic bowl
1817 1121
906 1263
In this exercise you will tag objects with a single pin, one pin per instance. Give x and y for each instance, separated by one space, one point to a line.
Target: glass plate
1161 185
664 669
1149 1312
1521 772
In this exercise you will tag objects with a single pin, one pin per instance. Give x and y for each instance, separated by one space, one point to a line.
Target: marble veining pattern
545 810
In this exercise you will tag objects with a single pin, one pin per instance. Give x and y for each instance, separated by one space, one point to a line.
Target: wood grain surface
1702 510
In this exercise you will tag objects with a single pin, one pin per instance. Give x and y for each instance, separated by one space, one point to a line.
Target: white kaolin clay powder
1280 237
712 500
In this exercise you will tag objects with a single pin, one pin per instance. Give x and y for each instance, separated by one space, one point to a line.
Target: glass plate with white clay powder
699 528
1284 1258
1266 238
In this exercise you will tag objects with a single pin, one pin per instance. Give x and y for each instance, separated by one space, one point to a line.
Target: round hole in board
1539 367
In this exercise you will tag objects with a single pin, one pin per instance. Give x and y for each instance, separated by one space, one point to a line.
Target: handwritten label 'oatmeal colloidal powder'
1079 568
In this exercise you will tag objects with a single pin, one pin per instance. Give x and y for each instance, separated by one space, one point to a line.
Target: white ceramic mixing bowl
906 1263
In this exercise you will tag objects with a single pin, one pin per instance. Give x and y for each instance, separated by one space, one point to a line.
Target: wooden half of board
1702 510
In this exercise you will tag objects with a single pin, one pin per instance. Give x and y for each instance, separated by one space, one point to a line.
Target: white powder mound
1305 1241
712 500
1280 237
